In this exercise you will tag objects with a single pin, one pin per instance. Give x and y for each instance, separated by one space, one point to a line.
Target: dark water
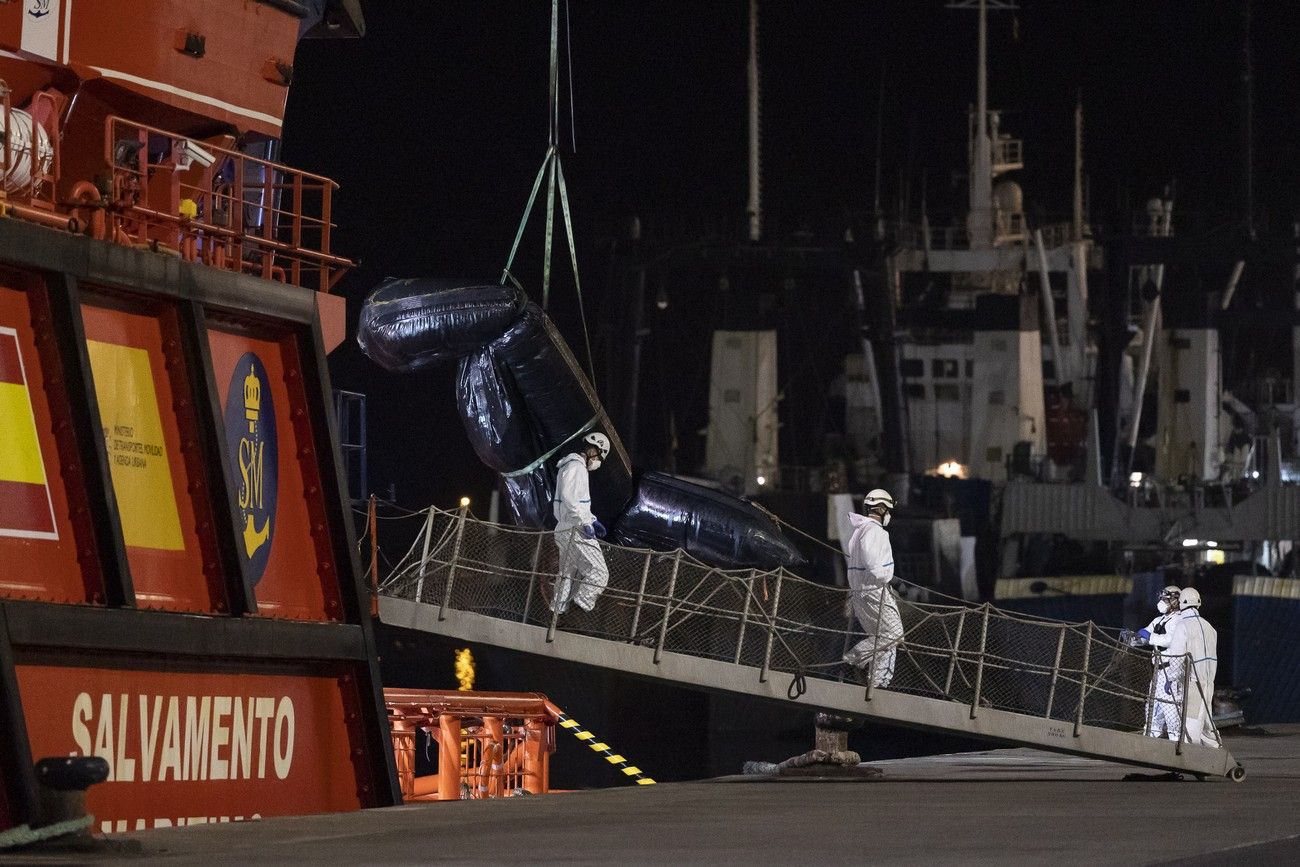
671 733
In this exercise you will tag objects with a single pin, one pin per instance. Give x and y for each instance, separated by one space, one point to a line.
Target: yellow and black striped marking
610 756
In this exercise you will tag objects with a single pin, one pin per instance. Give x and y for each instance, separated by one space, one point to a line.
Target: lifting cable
632 771
553 171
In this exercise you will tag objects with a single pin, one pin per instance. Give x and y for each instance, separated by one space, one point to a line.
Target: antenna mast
980 218
1078 167
755 202
1248 123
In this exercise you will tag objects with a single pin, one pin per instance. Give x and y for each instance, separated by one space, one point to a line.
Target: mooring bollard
61 784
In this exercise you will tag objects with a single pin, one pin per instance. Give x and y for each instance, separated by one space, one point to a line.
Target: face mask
1162 606
593 463
884 520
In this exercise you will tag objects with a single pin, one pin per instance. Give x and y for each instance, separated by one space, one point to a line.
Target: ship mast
1077 221
1248 124
979 221
755 201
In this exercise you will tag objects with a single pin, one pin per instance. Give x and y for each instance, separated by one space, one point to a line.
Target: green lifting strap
523 471
573 257
552 170
550 232
528 209
553 89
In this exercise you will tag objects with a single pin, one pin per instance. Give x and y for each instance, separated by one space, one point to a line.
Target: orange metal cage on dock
490 744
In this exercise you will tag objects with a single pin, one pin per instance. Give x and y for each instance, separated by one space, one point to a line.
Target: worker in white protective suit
1190 638
582 572
1164 713
871 568
1203 648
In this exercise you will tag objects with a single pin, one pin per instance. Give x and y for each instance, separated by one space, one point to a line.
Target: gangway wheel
1237 774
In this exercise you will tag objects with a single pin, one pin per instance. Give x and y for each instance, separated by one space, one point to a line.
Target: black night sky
434 125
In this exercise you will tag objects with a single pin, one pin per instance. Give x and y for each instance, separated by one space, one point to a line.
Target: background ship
995 369
1077 412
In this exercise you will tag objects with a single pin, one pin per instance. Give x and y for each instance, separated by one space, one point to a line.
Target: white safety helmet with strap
1189 598
601 442
1168 599
879 502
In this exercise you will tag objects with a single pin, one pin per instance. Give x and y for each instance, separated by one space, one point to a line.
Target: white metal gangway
967 670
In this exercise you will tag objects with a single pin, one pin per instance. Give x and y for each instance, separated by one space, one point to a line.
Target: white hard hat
600 441
1189 598
1171 590
878 497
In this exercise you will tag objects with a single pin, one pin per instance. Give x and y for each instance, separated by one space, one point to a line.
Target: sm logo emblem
254 459
39 8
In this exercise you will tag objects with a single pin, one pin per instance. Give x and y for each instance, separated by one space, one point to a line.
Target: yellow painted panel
137 453
20 451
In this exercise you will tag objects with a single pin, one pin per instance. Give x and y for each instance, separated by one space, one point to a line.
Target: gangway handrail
1073 679
453 516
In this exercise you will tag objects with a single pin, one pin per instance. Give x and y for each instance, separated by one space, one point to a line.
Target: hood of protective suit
860 524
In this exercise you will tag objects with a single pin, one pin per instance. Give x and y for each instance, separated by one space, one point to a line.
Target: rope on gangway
630 770
25 835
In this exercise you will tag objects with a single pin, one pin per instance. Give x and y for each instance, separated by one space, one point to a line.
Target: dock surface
993 807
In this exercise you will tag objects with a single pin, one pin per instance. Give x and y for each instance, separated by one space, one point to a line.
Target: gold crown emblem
252 398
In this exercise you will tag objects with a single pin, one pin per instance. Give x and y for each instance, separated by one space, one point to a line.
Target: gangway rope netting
778 622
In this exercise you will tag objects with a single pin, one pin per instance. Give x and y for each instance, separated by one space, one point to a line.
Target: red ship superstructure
180 601
155 123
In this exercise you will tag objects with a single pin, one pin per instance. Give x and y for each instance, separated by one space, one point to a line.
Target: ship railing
778 624
220 206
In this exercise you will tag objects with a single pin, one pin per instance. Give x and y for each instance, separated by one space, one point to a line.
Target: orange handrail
262 216
175 193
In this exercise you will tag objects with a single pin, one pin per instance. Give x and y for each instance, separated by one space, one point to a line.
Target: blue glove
588 531
599 528
1144 635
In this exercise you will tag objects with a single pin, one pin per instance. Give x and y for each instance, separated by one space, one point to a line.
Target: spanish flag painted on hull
26 510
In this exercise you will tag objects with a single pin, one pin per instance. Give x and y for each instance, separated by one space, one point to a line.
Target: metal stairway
973 671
